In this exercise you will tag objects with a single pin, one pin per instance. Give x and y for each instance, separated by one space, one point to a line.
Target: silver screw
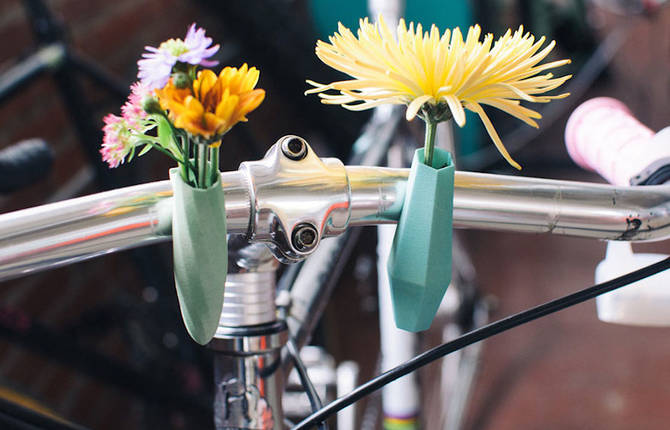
294 147
304 237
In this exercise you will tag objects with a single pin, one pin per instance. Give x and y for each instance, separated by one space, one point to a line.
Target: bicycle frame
274 201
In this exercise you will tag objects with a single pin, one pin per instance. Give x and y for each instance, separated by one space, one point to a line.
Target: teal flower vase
419 265
200 255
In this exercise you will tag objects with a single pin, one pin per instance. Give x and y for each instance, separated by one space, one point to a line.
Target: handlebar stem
247 344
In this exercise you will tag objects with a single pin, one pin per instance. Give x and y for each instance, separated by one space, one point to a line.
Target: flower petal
456 109
492 133
415 105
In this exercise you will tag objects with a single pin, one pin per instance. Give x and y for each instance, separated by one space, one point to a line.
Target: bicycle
251 337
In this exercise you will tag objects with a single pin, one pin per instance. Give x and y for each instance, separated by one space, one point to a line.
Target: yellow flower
214 104
430 72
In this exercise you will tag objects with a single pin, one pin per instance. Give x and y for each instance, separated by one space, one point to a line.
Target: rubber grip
602 135
24 163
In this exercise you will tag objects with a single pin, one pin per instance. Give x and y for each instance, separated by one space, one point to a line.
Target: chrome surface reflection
529 205
248 381
54 235
287 193
267 199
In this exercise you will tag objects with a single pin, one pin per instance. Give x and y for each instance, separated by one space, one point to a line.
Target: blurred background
101 343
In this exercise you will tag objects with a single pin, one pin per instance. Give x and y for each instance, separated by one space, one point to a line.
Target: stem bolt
304 237
294 147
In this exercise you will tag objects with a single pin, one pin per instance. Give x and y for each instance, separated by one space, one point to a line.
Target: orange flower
215 103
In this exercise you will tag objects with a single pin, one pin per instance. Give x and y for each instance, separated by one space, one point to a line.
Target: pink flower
132 110
156 66
116 143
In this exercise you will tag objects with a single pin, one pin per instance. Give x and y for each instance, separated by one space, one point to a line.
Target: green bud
150 105
435 112
181 80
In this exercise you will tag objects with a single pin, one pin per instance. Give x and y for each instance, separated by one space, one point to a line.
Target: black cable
478 335
312 395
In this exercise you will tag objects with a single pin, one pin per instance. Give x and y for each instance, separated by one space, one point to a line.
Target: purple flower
198 48
156 65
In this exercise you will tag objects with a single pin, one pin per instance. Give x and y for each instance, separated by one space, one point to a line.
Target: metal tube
57 234
71 231
249 383
529 205
248 343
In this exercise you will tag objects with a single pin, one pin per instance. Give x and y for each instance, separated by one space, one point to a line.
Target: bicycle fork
247 365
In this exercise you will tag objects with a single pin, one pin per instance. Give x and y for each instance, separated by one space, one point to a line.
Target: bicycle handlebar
267 200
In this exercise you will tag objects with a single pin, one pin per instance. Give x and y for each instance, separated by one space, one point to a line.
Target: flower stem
196 164
214 161
429 144
201 151
185 158
157 147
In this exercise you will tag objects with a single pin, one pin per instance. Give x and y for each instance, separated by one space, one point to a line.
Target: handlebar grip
603 135
24 163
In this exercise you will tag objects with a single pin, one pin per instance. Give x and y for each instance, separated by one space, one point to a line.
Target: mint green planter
419 265
200 255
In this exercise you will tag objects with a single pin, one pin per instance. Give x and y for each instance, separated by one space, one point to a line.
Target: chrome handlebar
291 199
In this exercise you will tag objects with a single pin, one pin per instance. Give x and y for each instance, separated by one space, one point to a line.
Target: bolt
304 237
294 147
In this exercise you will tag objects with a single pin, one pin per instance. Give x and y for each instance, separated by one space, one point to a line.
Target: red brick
61 382
41 298
22 42
84 11
48 121
114 345
83 410
10 12
25 104
22 373
121 411
68 162
118 29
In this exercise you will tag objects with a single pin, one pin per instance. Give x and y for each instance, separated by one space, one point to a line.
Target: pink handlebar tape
602 135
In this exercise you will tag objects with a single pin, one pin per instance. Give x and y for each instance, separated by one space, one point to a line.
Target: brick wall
112 34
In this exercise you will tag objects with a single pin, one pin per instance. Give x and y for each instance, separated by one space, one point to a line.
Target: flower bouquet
437 76
183 109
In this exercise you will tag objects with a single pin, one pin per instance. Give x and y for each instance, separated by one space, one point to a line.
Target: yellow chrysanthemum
428 69
216 103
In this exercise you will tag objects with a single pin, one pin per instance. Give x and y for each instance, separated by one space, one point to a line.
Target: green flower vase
200 253
419 265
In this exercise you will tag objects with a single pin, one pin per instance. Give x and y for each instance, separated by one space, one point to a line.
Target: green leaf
131 154
144 150
165 135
